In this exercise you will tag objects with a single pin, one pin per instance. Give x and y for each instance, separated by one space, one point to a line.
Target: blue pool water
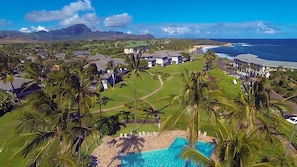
168 157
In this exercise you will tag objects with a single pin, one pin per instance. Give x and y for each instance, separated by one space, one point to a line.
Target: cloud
119 20
65 12
263 28
33 29
179 30
4 22
175 30
89 19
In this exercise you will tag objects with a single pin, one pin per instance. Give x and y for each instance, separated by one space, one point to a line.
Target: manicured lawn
124 92
225 83
177 68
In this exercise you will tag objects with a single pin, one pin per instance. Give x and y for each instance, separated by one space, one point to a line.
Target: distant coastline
268 49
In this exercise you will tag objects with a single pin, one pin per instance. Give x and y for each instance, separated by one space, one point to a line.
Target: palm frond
191 154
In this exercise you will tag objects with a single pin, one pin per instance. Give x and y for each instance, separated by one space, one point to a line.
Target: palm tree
36 72
8 65
111 66
208 59
74 91
236 149
134 68
257 105
197 98
43 127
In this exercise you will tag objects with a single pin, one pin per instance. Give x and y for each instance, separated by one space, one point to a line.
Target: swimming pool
168 157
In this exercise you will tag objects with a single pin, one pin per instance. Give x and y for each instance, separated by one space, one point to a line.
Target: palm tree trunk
13 90
113 79
289 144
135 114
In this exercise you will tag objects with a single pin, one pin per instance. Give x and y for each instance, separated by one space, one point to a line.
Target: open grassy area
124 92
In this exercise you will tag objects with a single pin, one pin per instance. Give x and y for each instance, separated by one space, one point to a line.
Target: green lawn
124 92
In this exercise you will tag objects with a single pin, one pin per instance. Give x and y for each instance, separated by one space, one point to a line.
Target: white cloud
65 12
176 30
263 28
129 32
25 29
33 29
119 20
89 19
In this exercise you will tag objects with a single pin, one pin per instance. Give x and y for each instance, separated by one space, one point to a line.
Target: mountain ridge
74 32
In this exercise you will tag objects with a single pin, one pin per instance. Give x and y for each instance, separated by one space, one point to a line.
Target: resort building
21 87
253 65
108 76
175 56
135 49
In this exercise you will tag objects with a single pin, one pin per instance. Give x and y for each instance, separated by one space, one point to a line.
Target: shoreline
205 48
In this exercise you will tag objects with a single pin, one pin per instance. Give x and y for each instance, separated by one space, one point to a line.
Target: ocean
269 49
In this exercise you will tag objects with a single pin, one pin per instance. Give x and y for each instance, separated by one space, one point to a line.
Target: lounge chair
205 134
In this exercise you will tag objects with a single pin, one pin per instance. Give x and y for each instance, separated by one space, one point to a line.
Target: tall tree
197 98
209 58
8 67
74 88
135 69
236 149
257 105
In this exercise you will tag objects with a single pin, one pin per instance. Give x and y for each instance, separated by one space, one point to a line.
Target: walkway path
142 98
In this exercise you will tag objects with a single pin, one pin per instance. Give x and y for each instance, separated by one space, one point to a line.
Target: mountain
75 32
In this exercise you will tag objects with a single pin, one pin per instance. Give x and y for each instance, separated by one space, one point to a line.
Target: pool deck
108 155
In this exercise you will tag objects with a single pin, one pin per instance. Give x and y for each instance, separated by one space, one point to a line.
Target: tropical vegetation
58 125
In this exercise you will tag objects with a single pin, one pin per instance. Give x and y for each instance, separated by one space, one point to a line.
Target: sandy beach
204 48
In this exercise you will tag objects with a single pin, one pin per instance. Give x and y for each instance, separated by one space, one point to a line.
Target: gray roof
77 53
250 58
102 63
169 53
17 83
99 57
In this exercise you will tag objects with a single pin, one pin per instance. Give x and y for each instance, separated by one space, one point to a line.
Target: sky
207 19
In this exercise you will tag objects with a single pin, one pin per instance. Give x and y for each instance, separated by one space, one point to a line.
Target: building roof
78 53
169 53
250 58
17 83
99 57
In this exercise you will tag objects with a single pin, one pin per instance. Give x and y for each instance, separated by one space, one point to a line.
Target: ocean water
270 49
